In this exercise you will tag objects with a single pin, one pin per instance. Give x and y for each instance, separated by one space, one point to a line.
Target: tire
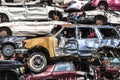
104 5
100 17
8 50
37 62
9 32
58 15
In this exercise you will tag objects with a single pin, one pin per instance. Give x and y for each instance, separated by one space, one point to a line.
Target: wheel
103 6
8 50
5 31
100 19
37 62
55 16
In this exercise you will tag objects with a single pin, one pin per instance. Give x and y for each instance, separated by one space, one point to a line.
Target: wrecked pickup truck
68 41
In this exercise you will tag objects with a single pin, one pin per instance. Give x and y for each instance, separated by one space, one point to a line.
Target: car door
24 28
88 40
14 10
36 11
42 28
61 37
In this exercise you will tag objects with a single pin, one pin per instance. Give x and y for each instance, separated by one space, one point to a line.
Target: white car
112 17
76 4
11 10
29 28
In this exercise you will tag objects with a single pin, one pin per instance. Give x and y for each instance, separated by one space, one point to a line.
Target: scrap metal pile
54 40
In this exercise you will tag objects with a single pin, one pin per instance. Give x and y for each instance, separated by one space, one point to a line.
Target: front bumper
23 51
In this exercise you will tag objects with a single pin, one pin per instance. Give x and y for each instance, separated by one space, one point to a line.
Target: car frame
108 4
59 70
30 28
12 70
60 44
108 17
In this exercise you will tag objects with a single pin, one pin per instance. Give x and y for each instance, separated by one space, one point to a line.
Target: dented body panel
57 43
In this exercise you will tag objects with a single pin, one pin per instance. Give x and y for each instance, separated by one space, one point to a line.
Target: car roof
91 26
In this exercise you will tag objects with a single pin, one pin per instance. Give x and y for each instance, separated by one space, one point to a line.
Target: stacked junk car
59 40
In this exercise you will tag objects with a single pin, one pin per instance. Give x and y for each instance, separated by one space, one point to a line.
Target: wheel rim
37 62
8 50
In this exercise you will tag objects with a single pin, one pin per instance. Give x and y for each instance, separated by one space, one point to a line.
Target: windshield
108 33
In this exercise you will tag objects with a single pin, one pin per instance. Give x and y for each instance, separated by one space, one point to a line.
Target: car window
63 67
87 33
30 0
13 1
55 30
114 61
0 2
108 33
67 33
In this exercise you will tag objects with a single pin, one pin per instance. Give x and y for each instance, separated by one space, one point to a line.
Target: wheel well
3 15
9 43
7 29
103 2
101 17
40 49
56 13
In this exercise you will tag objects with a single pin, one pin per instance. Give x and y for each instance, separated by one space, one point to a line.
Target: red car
104 71
58 71
107 4
108 72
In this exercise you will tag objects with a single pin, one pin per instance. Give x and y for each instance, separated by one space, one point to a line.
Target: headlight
23 44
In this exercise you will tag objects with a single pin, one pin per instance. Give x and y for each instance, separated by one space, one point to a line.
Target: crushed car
62 42
12 10
105 70
108 17
107 4
11 70
29 28
59 70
